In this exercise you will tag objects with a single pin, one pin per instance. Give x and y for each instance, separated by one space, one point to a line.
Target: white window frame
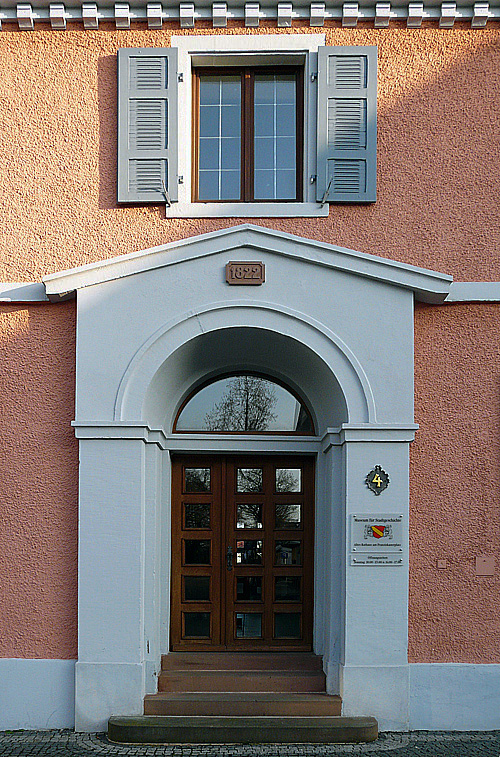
221 50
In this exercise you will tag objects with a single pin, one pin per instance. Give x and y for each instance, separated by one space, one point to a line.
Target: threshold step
241 661
159 729
241 704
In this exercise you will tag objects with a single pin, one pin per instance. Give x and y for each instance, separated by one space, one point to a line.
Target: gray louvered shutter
147 124
347 124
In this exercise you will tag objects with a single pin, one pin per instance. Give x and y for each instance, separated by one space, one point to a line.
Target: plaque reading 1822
241 273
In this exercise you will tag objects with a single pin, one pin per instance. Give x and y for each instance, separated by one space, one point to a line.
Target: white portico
333 325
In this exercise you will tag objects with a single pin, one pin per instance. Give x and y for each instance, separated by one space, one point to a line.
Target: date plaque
245 273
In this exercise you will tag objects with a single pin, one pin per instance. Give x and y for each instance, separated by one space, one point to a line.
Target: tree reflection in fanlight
244 403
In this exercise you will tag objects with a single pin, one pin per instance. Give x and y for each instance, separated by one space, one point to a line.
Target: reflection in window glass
197 479
287 625
248 625
196 588
196 515
249 516
249 552
249 588
249 480
287 516
244 403
287 589
287 553
197 624
288 480
197 552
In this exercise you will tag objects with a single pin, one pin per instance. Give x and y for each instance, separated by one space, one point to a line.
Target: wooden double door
242 553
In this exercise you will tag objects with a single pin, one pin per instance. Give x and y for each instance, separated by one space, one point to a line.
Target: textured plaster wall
438 189
455 484
38 482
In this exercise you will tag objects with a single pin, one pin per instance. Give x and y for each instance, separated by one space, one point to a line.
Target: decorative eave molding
186 14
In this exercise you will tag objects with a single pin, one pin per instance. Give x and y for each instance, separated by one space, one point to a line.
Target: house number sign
245 273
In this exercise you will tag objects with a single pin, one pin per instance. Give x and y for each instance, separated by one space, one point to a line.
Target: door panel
242 553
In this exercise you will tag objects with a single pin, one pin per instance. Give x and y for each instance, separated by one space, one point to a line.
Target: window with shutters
281 132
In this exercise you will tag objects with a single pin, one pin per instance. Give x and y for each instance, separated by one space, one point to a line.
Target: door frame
223 590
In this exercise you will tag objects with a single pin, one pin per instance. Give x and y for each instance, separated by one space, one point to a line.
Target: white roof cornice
186 14
428 286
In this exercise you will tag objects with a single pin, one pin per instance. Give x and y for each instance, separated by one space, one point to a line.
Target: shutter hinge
180 77
314 77
180 179
312 179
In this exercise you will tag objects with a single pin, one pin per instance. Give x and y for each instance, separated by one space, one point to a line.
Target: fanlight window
244 404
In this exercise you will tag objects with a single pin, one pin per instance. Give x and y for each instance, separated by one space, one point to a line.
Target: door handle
229 556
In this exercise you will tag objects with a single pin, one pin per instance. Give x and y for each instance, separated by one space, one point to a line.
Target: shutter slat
347 137
147 124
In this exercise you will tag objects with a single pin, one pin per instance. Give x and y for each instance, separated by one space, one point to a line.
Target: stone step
241 661
297 681
241 704
158 729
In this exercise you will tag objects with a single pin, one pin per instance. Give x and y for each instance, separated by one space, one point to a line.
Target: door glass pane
249 588
249 480
248 625
197 552
196 515
287 516
248 516
249 552
287 625
274 137
197 624
197 479
196 588
287 553
288 479
287 589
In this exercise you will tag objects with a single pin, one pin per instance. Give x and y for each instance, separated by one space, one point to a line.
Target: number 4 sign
377 480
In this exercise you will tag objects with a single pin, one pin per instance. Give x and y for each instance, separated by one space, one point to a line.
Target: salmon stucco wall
437 206
455 484
38 482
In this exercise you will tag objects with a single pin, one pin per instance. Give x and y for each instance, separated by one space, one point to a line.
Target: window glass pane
196 588
249 588
249 552
274 137
249 480
197 624
219 147
288 479
243 403
287 552
197 479
287 589
196 515
287 516
248 625
285 185
249 516
287 625
229 185
197 552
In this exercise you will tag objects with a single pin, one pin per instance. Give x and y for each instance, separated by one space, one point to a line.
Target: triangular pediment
428 286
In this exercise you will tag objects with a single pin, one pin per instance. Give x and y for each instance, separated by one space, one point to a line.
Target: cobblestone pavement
415 744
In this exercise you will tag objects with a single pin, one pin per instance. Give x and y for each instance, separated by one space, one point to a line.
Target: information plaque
377 534
381 559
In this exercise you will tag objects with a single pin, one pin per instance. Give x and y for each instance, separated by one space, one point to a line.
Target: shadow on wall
39 482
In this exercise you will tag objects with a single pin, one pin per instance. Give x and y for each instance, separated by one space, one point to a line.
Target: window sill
247 210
